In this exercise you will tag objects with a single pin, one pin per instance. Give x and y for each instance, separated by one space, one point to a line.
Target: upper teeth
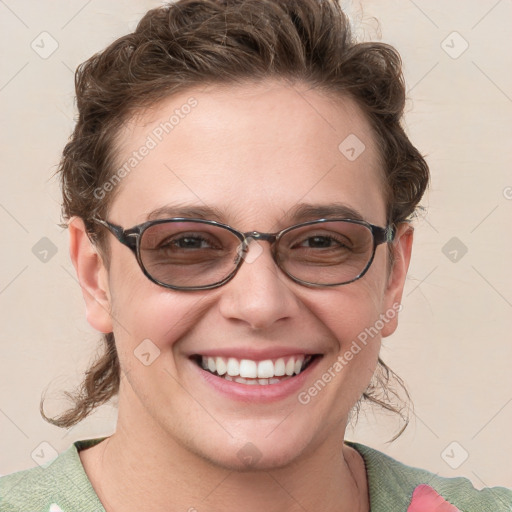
250 369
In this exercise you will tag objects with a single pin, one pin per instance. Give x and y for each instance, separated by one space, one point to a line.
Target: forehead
250 152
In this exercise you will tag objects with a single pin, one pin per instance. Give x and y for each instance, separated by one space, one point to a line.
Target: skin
253 152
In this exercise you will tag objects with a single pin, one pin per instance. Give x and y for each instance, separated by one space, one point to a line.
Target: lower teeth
261 382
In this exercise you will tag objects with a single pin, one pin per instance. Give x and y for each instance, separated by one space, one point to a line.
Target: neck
143 467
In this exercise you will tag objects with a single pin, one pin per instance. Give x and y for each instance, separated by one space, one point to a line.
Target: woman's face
254 154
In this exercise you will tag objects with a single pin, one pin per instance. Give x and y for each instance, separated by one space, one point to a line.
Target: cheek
351 309
142 310
353 315
350 313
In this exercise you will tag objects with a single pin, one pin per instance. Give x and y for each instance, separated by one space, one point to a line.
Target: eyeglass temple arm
125 237
384 235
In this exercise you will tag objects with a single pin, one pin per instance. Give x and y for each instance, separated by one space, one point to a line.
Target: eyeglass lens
190 254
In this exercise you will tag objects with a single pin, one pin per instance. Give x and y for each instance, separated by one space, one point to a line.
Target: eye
188 241
322 242
191 242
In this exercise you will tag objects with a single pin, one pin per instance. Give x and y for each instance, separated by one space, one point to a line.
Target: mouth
251 372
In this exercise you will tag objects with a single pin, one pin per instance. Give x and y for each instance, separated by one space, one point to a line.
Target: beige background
453 347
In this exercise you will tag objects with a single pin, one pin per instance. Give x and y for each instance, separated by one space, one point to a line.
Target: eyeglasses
196 254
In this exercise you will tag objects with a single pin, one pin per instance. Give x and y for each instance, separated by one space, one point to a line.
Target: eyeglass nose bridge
257 235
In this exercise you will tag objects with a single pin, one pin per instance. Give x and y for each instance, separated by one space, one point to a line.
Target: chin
259 452
249 458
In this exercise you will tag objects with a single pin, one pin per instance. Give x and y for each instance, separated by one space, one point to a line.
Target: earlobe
92 276
402 249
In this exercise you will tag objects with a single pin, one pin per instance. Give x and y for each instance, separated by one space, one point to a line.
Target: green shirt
62 485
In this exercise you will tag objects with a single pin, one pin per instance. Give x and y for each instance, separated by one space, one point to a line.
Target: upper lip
254 354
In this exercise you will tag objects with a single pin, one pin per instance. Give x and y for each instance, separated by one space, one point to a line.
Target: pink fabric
426 499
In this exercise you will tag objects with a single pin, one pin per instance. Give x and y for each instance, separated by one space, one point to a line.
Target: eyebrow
304 212
191 211
299 213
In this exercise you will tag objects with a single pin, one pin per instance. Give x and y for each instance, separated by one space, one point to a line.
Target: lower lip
258 392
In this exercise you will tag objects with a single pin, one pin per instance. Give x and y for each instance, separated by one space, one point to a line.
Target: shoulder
392 484
60 485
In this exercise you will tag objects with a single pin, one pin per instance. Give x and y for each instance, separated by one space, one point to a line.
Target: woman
238 191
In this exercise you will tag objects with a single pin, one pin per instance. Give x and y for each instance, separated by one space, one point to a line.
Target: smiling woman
238 191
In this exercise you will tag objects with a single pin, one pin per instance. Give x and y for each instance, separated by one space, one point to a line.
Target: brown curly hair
199 42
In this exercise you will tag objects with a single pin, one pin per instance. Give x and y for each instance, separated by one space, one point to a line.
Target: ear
92 276
402 249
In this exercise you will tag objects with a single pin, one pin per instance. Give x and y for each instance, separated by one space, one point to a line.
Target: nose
260 294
